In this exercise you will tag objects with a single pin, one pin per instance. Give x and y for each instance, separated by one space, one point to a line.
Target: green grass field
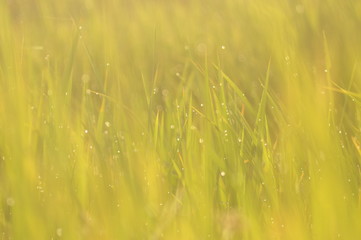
183 119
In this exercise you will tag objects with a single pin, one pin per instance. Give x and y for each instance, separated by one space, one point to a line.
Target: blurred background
231 119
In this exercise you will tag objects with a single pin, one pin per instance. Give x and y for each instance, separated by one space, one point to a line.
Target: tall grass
157 119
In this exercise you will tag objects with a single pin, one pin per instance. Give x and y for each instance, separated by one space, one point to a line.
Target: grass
180 119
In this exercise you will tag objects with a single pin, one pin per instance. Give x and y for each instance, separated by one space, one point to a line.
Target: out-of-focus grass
230 119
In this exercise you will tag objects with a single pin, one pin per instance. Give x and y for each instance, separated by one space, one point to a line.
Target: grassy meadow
183 119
